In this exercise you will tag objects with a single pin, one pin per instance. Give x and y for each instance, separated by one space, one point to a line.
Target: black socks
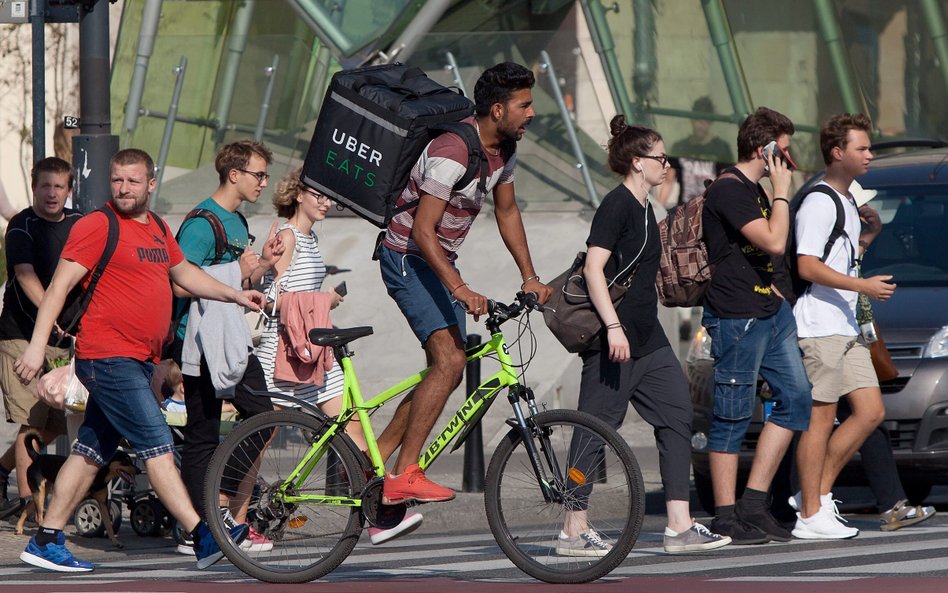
46 535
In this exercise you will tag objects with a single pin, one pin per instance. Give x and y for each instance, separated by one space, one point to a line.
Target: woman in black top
633 360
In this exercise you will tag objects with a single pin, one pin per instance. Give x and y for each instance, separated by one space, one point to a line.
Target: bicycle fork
551 486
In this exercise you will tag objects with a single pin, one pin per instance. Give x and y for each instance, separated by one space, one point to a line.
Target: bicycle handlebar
498 313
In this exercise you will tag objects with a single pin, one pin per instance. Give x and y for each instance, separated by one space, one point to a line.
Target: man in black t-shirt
34 240
752 328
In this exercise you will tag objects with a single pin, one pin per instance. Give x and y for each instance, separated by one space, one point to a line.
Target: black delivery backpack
373 126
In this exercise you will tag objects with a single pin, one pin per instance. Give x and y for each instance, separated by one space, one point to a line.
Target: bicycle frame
354 404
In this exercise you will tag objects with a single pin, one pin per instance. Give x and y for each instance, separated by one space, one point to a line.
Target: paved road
912 559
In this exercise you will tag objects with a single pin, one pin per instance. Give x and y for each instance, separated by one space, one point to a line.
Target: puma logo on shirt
153 256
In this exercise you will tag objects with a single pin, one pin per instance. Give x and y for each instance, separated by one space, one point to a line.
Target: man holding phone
836 356
752 328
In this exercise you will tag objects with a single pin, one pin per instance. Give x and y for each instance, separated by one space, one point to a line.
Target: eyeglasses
320 198
661 158
260 175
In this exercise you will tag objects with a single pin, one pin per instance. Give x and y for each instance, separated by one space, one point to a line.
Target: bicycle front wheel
251 475
596 484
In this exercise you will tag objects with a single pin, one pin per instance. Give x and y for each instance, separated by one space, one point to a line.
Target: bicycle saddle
338 337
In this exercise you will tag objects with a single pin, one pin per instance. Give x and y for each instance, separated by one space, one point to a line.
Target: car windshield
913 245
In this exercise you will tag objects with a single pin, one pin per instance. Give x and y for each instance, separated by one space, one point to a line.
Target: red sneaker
413 485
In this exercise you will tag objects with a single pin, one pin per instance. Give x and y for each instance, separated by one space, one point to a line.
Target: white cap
860 194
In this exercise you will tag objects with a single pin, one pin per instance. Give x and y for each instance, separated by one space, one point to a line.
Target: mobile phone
341 289
772 149
778 153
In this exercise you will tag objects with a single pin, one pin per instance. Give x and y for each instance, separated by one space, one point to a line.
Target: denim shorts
121 404
742 349
422 298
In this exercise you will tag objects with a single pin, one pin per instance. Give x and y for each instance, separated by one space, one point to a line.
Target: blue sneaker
54 556
206 548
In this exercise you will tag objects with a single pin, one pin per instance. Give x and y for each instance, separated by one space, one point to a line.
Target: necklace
493 152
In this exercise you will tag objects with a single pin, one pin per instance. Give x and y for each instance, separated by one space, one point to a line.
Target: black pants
656 387
202 432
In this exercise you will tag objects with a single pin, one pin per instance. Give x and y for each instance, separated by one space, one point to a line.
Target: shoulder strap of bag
217 227
477 163
839 228
111 241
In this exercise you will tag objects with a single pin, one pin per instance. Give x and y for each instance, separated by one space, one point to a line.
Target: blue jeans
424 301
121 404
742 348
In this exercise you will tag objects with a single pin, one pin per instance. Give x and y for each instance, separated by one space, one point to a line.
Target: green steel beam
605 46
236 44
645 69
936 27
851 94
723 42
325 27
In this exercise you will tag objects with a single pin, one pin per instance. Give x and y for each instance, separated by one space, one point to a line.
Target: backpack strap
477 162
111 241
839 228
217 227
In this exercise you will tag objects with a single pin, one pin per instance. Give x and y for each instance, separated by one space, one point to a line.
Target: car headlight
937 346
700 348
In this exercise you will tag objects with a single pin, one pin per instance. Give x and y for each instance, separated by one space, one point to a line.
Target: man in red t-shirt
118 342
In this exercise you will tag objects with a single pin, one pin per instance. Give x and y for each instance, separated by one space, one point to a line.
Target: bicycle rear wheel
247 475
593 470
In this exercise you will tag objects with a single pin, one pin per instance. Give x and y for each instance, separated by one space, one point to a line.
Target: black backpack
79 298
787 275
373 125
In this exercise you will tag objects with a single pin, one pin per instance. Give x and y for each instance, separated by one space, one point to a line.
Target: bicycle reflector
576 476
297 522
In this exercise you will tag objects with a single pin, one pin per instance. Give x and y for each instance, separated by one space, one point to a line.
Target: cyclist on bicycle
418 263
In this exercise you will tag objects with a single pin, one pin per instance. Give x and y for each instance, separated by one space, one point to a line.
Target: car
912 201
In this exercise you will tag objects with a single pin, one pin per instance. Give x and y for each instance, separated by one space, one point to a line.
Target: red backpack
684 270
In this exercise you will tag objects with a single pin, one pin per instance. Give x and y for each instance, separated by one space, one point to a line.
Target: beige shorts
836 366
20 404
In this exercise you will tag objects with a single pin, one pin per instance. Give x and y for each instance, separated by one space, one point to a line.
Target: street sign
14 12
71 122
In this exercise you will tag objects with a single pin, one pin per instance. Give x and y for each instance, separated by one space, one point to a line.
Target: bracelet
458 286
615 325
534 277
782 200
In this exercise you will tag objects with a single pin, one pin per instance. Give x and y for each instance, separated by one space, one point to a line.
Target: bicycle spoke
601 478
251 471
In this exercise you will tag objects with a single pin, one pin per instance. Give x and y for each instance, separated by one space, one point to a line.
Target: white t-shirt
821 310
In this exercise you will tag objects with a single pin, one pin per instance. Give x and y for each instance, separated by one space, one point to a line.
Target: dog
41 477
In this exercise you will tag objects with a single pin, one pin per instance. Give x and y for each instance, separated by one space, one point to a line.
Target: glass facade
807 60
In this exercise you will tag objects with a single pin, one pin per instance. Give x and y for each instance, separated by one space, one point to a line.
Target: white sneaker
826 502
822 525
409 523
185 549
585 544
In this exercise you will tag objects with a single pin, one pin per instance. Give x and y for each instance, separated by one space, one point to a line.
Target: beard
509 130
138 207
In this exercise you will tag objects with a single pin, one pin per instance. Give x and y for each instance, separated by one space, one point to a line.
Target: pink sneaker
256 542
410 522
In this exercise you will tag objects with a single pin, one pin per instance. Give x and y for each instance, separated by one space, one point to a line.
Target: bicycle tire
308 540
527 527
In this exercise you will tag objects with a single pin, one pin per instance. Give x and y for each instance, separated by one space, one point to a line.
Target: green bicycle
302 482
